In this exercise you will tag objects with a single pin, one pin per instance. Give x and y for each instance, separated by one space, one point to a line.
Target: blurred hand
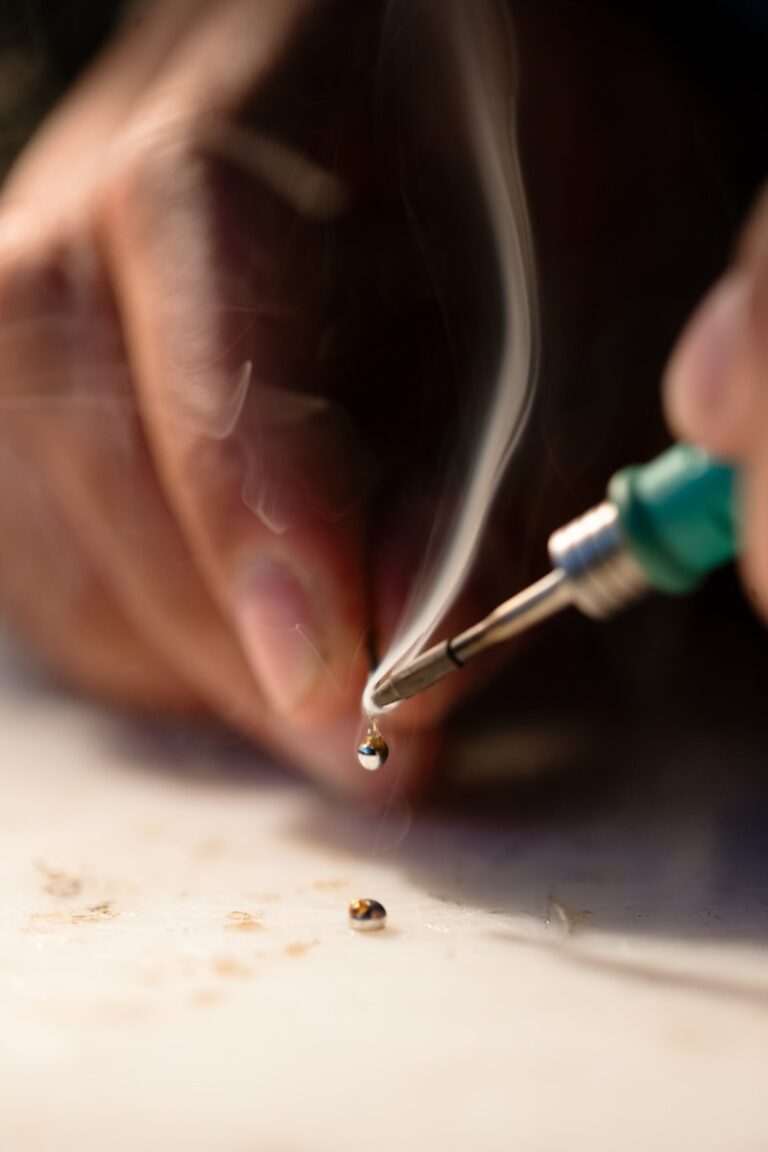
716 388
187 252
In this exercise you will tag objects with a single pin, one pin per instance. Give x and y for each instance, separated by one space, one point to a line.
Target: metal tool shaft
592 570
543 599
529 607
663 527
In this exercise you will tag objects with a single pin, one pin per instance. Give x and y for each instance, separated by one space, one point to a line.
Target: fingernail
701 383
278 631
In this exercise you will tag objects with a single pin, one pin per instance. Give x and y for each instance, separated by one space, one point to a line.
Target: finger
67 390
710 392
50 593
89 461
71 347
224 336
713 387
94 453
755 477
716 388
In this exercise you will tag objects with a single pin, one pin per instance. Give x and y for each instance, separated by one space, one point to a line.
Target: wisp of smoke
480 43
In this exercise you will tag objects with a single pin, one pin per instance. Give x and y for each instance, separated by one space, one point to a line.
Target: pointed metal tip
422 673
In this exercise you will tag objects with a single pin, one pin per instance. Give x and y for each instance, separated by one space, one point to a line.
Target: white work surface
595 979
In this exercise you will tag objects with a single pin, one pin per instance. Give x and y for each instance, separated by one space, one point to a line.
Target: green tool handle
678 516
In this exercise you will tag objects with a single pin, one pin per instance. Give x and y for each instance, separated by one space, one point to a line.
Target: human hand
716 387
195 260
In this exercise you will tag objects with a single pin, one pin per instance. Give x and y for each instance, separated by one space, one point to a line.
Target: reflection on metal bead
367 915
374 750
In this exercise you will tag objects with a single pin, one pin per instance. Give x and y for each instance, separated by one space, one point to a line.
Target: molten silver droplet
374 750
367 915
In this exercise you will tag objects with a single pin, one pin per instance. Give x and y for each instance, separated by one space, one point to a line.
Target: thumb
716 388
715 384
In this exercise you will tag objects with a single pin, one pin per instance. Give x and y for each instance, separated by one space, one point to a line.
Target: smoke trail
479 40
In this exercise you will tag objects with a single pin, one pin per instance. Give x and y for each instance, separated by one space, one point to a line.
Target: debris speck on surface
58 882
243 922
300 947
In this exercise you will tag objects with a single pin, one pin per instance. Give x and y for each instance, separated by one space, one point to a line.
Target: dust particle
93 915
570 920
59 883
229 966
300 947
243 922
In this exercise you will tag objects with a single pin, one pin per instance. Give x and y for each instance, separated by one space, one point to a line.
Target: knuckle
32 273
52 307
157 167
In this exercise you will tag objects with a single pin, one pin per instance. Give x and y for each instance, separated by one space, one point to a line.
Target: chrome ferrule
602 574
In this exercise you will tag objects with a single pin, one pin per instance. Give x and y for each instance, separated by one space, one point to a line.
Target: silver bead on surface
367 915
374 750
